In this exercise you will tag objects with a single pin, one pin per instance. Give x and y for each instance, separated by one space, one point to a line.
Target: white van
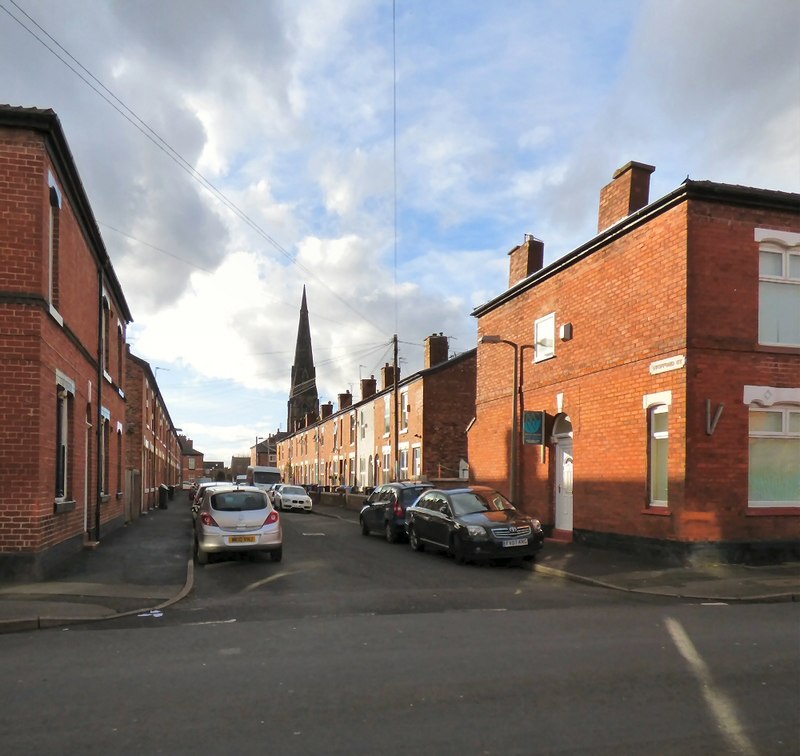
263 477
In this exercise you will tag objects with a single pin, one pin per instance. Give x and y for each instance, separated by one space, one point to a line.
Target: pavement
147 566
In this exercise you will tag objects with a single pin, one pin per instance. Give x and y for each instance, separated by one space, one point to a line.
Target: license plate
516 542
241 539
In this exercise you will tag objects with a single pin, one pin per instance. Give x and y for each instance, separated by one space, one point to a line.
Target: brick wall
683 283
36 344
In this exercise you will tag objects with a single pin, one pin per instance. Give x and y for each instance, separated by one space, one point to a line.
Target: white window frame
784 402
404 411
657 404
544 338
387 416
416 461
787 245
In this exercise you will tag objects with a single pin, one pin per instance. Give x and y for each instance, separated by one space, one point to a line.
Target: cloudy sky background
510 116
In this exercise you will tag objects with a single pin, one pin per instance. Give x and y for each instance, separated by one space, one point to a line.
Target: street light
255 448
494 339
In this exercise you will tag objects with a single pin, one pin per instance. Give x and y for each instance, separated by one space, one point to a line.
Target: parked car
200 492
291 497
384 511
472 524
237 519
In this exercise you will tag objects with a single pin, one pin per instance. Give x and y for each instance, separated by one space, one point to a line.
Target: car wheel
389 531
364 527
457 548
276 555
200 555
413 539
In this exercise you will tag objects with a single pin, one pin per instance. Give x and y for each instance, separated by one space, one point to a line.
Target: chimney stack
628 192
435 349
527 258
326 409
345 400
387 376
368 387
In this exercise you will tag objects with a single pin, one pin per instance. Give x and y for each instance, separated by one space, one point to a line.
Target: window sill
657 511
791 511
63 505
105 498
120 494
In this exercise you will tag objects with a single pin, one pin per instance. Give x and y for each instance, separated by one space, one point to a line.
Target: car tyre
200 555
457 548
391 534
364 526
276 555
413 539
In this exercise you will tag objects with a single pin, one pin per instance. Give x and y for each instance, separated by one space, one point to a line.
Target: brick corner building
654 374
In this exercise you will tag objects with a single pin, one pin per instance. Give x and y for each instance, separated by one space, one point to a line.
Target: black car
384 511
472 524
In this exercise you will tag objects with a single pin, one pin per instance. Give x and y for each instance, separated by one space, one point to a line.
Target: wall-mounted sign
533 427
671 363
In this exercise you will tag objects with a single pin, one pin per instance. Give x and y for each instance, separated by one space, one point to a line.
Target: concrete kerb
768 598
45 622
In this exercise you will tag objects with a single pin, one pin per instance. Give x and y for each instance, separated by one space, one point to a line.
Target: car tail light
272 519
207 519
398 509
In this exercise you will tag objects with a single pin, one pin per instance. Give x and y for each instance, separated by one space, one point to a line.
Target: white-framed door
562 438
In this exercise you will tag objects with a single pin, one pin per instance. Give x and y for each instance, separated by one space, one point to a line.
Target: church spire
303 397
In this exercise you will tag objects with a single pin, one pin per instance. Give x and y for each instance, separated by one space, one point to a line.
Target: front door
564 484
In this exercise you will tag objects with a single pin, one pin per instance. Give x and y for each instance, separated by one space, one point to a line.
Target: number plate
516 542
241 539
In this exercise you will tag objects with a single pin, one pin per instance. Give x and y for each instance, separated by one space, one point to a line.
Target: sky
385 156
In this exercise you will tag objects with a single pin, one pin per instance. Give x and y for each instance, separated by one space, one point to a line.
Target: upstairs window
387 415
53 242
544 338
778 288
404 410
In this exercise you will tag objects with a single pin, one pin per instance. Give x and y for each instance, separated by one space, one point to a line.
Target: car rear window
410 495
238 501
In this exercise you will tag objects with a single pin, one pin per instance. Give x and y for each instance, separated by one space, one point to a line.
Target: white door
564 484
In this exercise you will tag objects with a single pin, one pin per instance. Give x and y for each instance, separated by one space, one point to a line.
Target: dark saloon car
472 524
384 511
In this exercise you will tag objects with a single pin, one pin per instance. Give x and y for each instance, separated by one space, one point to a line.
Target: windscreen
238 501
468 503
260 476
293 491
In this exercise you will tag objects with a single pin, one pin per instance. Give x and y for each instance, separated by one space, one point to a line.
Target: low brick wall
345 501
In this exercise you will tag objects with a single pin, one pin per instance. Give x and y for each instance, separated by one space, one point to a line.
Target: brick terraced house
360 444
643 391
63 320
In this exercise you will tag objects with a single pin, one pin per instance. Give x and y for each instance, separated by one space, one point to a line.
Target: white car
237 519
291 497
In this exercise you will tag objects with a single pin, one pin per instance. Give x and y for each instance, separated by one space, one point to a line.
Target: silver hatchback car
237 519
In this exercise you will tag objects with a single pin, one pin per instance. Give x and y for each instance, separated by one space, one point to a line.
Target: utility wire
117 104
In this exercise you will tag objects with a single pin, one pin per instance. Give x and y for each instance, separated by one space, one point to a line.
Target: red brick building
191 461
361 444
664 357
63 320
153 450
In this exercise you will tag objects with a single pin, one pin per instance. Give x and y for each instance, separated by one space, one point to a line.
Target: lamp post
494 339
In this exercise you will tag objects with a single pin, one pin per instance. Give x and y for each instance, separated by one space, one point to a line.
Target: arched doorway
562 446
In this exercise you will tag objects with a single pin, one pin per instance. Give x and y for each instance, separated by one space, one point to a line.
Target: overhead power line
85 75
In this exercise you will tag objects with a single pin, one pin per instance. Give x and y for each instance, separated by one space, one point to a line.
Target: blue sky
510 116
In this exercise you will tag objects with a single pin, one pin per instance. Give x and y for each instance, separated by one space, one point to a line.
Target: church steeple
303 397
